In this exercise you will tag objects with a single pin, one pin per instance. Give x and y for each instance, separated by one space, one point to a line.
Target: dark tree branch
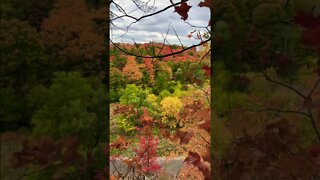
148 15
283 84
175 32
160 56
275 110
201 27
207 53
34 172
168 44
164 40
203 139
206 93
314 124
314 88
287 3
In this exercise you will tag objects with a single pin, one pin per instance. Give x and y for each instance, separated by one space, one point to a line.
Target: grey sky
150 28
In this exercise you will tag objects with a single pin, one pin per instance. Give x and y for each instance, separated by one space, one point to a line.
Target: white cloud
150 28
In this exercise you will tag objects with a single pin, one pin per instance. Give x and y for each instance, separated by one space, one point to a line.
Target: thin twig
160 56
284 85
148 15
314 124
275 110
314 88
178 37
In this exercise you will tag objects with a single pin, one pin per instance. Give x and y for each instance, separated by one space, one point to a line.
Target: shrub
171 107
134 95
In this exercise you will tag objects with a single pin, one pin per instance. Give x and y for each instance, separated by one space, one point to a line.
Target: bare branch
314 124
314 88
161 56
148 15
203 139
287 3
205 92
207 53
201 27
275 110
284 85
178 37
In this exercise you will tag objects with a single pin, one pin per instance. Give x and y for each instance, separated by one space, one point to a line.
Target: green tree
117 81
33 11
73 106
134 95
24 64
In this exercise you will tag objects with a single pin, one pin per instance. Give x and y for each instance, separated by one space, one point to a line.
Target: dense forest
264 91
53 89
247 109
265 122
160 110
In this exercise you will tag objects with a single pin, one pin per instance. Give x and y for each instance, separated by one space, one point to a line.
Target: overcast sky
150 28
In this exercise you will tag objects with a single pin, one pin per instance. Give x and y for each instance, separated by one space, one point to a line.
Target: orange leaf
145 118
120 143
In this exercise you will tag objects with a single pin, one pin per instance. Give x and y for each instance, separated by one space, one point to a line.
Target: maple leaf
206 3
183 10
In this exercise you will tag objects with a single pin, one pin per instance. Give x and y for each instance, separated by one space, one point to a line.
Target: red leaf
207 70
147 155
206 3
314 150
312 37
183 10
307 21
120 143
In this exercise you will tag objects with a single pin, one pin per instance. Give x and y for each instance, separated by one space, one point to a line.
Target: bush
134 95
171 107
73 106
